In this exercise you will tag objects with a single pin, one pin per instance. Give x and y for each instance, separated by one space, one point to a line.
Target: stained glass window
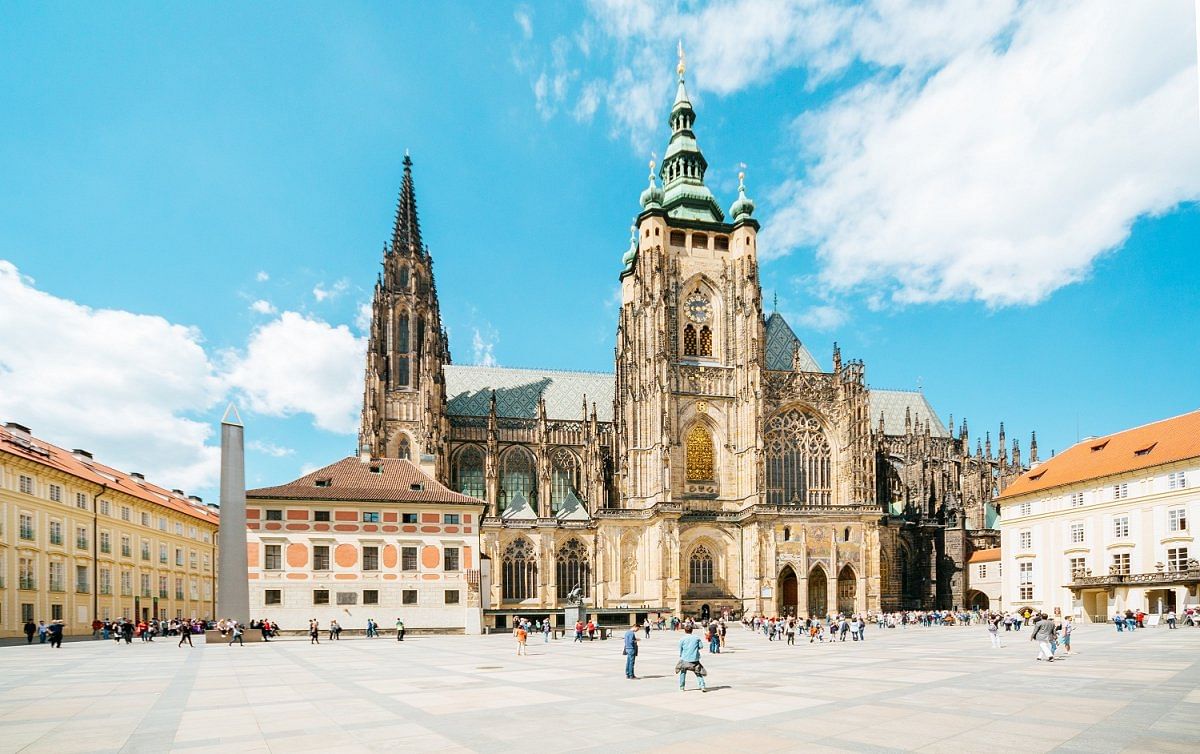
573 567
468 472
564 477
402 358
701 566
519 571
405 448
517 478
798 460
700 454
689 341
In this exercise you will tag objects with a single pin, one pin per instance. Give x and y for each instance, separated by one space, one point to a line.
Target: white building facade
1107 526
365 539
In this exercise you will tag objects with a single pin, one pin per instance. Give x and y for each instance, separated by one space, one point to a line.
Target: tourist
335 630
721 627
1171 619
646 627
591 630
689 659
314 631
1119 621
30 629
372 629
630 651
714 640
235 634
43 632
578 631
185 634
522 635
545 630
55 632
994 631
791 632
1043 633
399 630
1067 629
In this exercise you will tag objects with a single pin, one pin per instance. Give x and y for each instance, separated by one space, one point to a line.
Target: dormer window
376 468
325 482
417 487
1099 446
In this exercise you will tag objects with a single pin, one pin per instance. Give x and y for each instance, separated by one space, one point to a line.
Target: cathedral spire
684 193
406 233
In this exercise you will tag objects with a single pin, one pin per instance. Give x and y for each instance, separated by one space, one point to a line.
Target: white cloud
269 449
119 384
484 346
523 15
262 306
1005 174
823 317
322 293
296 364
362 318
262 276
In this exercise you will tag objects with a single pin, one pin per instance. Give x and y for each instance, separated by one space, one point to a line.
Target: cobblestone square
926 689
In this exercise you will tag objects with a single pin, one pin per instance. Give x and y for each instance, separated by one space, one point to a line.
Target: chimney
81 455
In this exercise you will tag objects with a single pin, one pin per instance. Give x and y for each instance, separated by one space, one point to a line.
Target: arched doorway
847 585
979 601
705 612
789 592
818 591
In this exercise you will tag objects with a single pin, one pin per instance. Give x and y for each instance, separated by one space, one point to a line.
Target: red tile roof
1156 444
93 472
985 556
386 480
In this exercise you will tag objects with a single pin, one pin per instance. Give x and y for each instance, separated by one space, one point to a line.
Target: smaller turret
1033 456
742 207
653 195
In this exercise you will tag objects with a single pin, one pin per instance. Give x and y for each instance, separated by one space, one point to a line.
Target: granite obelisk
233 584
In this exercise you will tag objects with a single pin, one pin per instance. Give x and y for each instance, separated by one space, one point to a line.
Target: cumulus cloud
123 385
323 293
262 306
262 276
269 449
483 344
823 317
297 364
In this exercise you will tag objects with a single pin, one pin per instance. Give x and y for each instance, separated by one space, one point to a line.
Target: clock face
698 308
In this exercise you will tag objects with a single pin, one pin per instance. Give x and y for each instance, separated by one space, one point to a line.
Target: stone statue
575 596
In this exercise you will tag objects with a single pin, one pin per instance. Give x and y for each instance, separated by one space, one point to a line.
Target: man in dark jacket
1044 632
30 630
56 634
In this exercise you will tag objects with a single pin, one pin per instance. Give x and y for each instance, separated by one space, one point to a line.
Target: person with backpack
399 630
689 659
236 635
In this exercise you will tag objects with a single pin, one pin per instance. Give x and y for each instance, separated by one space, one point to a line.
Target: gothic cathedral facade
719 470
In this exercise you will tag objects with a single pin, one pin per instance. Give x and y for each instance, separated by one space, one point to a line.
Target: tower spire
406 232
683 166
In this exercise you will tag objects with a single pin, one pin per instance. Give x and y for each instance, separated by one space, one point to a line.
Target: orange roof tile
352 479
54 457
1155 444
985 556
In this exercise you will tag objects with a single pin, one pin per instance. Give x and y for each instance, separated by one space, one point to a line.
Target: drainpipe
96 552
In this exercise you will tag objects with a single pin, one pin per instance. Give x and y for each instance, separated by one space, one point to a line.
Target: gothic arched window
689 341
572 567
517 478
404 279
519 571
468 472
700 455
564 477
402 347
700 566
404 448
705 341
799 460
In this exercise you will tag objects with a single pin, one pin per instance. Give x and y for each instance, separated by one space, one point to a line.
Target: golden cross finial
682 60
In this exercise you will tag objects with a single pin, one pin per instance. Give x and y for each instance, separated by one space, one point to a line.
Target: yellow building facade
81 541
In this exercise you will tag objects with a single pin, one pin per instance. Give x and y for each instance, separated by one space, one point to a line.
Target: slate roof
781 343
1162 442
396 481
893 404
469 392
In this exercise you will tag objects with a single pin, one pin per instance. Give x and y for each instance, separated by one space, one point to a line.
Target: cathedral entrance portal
846 590
818 591
704 612
789 592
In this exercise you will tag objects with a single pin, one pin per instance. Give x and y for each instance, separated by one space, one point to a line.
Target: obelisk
233 583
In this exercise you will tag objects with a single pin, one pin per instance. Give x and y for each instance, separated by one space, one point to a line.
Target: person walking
30 630
790 630
55 630
994 632
689 659
522 635
1043 634
43 632
646 627
1171 619
236 635
545 630
399 630
714 640
314 631
185 634
1067 629
335 630
630 651
578 631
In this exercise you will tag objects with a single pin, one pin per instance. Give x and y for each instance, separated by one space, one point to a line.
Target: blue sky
992 200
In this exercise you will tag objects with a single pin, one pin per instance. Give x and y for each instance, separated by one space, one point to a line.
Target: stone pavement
935 689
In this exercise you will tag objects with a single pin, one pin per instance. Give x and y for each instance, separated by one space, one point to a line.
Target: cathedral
720 469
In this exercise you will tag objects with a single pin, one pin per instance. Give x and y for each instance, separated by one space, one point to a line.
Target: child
522 635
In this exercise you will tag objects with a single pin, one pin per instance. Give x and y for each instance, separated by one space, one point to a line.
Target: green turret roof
684 194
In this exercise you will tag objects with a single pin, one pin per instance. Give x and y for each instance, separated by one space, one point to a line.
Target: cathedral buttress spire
406 232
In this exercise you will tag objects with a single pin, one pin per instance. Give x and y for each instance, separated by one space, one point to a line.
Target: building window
468 472
320 515
408 597
126 583
56 533
26 526
700 455
272 596
1026 579
81 501
273 560
347 598
408 558
1026 508
1120 562
56 576
798 458
451 597
706 339
162 523
145 549
1076 499
564 478
370 558
982 571
162 553
1177 519
1176 480
105 581
320 596
145 519
1076 533
370 517
517 478
105 542
691 344
320 557
573 568
56 611
26 574
1120 491
178 588
408 518
124 513
81 538
700 566
105 508
162 586
179 556
206 565
519 571
1026 539
1076 567
274 515
56 493
126 547
404 449
450 559
451 518
1177 558
81 579
1121 527
26 484
370 596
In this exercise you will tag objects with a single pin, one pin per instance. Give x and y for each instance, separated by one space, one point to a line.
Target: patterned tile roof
781 343
892 403
387 480
469 392
1162 442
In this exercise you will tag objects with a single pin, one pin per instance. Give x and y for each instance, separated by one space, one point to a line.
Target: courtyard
927 689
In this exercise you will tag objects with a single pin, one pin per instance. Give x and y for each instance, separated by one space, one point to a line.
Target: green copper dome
652 197
743 207
630 257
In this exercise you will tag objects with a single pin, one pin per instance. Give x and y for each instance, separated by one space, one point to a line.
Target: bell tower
404 394
689 338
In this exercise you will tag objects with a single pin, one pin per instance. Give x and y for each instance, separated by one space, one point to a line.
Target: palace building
720 467
82 541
